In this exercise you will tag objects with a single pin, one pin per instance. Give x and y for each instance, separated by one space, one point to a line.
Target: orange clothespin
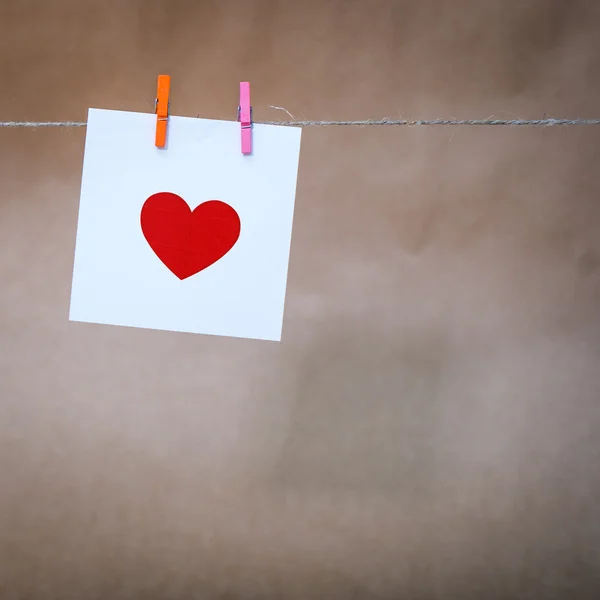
161 108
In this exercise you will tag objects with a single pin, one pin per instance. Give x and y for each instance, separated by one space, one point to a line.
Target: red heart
188 241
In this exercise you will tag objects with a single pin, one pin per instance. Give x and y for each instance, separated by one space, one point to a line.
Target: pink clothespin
245 117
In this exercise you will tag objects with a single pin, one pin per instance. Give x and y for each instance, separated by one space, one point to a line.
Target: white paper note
194 237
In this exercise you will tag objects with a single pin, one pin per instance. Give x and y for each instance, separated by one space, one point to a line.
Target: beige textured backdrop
430 425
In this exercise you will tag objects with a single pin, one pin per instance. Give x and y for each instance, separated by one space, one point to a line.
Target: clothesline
384 122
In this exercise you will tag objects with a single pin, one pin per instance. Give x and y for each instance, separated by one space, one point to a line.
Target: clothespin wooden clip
245 117
161 108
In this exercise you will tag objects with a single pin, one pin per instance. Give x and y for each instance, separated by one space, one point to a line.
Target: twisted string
444 122
385 122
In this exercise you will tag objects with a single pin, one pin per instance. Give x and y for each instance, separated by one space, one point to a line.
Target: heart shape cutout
187 241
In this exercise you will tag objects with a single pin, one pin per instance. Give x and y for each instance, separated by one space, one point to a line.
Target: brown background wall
430 425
